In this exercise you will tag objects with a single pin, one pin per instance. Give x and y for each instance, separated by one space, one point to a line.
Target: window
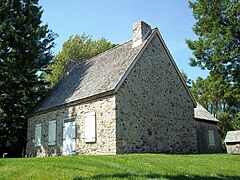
90 127
211 138
38 134
52 132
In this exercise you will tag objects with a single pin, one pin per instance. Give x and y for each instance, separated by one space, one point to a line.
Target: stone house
129 99
232 142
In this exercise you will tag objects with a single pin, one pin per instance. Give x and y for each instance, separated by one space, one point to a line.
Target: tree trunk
3 145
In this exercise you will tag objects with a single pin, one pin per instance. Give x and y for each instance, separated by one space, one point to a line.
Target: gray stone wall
105 125
154 111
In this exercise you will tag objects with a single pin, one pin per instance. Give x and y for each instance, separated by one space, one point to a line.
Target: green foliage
218 50
198 92
25 45
218 29
186 79
135 166
216 96
227 122
79 49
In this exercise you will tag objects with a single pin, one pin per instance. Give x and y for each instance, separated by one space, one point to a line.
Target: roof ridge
117 46
111 49
66 91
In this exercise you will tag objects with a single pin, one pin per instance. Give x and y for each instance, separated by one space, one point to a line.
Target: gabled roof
201 113
232 136
100 76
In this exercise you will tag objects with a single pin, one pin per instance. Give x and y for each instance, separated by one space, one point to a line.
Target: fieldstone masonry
106 135
141 31
154 110
150 112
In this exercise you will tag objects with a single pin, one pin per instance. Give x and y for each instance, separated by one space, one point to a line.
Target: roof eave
155 31
206 120
237 141
79 101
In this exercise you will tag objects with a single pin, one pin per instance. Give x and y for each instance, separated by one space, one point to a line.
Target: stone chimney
141 31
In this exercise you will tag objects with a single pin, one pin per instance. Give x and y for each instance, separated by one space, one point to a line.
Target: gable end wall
153 109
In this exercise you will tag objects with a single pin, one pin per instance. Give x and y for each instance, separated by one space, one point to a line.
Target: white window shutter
90 127
38 134
52 133
54 129
49 132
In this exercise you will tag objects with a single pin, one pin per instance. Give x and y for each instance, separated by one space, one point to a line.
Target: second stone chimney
141 31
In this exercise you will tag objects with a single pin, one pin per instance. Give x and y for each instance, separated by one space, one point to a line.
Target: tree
215 95
211 93
218 45
217 49
186 79
79 49
25 52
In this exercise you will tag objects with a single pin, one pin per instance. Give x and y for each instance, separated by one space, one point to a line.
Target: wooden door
69 136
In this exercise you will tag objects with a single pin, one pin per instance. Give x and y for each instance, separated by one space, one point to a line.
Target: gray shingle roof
232 136
202 114
98 75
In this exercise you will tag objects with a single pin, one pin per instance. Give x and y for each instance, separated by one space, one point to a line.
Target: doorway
69 136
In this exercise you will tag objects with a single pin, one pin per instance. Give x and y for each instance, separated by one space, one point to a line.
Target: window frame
51 124
38 135
66 120
211 138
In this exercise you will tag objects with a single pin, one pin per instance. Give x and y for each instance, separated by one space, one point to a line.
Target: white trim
38 135
52 126
69 151
68 118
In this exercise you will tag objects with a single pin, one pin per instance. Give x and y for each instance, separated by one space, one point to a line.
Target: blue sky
113 19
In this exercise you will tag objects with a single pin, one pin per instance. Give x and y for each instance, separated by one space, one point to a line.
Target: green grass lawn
134 166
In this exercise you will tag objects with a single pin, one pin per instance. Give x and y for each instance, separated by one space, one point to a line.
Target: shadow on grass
154 176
